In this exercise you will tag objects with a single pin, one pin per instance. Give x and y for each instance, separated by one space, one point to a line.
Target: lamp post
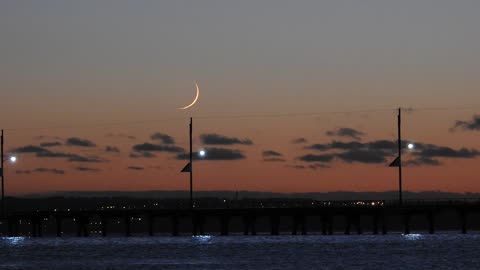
2 172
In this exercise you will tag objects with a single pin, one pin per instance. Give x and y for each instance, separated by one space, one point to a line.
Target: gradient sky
106 70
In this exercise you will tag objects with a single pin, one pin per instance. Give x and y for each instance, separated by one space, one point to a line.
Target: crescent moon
194 101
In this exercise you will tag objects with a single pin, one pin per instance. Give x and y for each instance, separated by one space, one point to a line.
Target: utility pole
4 213
191 164
400 156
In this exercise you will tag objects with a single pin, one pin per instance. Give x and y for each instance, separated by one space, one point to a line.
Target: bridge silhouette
280 220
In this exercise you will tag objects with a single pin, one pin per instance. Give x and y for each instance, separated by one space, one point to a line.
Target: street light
12 159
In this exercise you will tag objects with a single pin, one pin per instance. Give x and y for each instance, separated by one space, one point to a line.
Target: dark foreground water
414 251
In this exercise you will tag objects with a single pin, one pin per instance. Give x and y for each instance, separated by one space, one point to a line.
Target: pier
324 219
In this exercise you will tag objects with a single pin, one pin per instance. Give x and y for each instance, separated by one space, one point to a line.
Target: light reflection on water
413 236
396 251
13 240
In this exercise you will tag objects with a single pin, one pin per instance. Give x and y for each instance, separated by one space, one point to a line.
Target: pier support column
197 225
13 227
375 224
128 227
82 226
36 223
274 224
224 222
463 221
299 221
431 223
174 225
330 225
324 225
104 222
406 221
348 221
246 225
384 224
358 224
58 221
151 223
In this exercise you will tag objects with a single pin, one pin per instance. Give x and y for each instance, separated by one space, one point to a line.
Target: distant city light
202 153
13 159
411 146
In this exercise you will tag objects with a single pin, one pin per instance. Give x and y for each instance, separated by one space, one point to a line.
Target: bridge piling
431 223
224 222
104 222
58 221
406 222
463 221
375 224
174 225
274 224
128 229
384 224
151 223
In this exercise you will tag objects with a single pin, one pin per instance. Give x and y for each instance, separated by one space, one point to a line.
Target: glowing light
13 159
411 146
413 237
202 153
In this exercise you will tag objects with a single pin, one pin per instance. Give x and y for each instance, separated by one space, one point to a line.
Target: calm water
414 251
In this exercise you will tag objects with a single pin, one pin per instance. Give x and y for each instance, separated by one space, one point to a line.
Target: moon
194 101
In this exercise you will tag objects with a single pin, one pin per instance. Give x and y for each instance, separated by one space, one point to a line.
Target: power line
238 116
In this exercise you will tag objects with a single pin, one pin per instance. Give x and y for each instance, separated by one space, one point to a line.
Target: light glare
411 146
202 153
13 159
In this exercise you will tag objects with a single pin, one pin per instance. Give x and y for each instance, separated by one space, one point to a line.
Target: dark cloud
310 166
274 159
299 140
70 157
217 139
379 151
42 137
346 132
30 149
150 147
135 168
74 141
363 156
112 149
300 167
142 155
164 138
318 166
215 154
271 153
120 135
50 144
319 147
41 170
77 158
379 145
472 125
446 152
87 169
317 158
422 162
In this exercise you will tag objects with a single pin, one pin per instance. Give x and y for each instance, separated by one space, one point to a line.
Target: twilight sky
89 91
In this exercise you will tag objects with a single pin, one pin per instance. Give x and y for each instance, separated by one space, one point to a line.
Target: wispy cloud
217 139
470 125
74 141
346 132
164 138
40 170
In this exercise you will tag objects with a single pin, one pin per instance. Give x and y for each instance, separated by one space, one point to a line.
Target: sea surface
395 251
